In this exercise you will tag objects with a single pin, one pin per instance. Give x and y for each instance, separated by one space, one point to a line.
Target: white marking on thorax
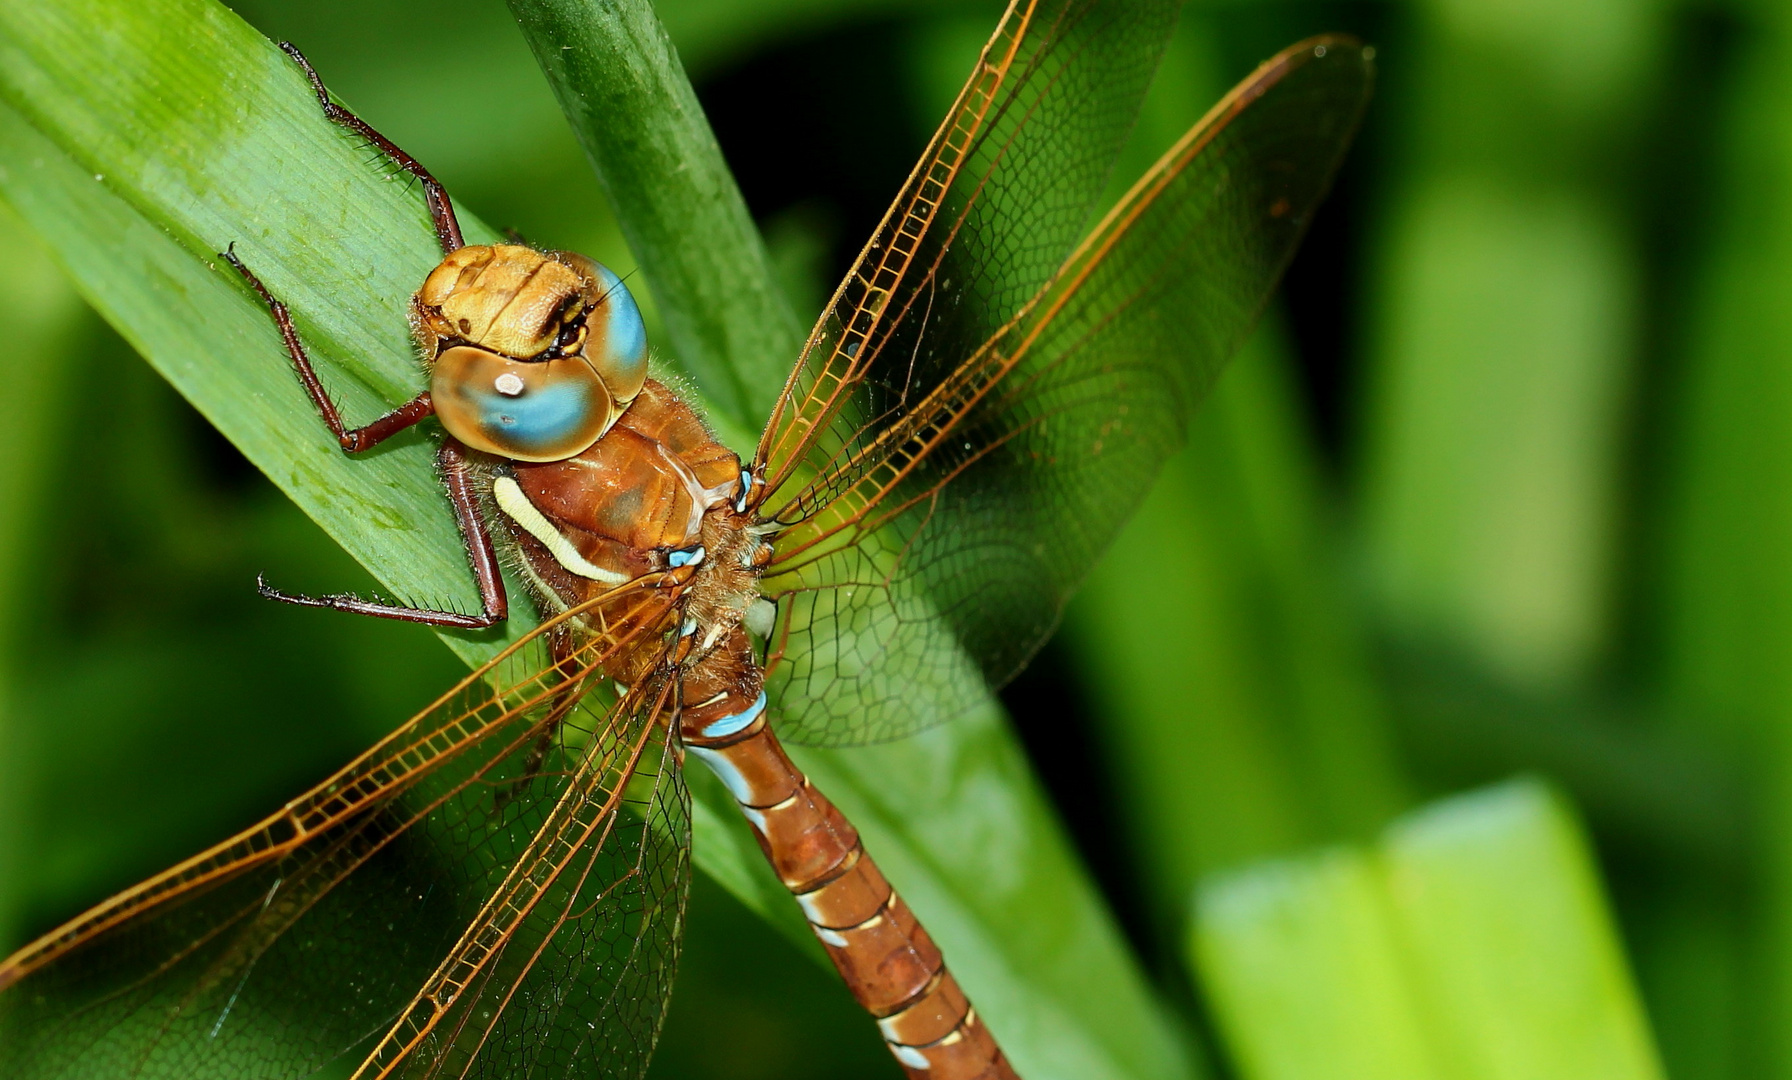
746 488
517 506
714 635
701 498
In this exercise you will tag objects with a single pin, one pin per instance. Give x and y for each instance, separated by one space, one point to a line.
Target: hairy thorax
656 494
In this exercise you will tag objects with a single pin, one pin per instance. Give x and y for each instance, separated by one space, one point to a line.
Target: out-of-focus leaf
1726 600
1493 443
139 149
1506 324
39 313
1233 690
1472 942
1229 676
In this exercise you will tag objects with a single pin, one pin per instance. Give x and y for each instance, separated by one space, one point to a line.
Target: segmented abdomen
892 967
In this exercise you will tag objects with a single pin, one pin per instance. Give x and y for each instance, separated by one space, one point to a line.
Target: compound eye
617 341
544 411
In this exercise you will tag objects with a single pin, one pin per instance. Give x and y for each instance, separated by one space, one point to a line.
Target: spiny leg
353 440
494 602
440 209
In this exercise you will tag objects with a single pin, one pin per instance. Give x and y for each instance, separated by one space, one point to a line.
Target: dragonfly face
985 397
533 355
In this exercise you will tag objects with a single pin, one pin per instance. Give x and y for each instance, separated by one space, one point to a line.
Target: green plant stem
627 98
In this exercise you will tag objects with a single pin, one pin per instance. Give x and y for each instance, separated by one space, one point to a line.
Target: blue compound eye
544 411
616 338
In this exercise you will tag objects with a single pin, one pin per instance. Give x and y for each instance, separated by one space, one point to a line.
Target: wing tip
1333 47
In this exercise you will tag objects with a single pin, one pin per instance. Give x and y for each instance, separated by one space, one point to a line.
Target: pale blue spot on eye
690 557
538 421
729 725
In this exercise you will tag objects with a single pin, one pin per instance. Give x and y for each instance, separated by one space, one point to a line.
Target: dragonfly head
533 354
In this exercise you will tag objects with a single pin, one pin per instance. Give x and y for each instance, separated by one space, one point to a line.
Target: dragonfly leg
494 602
441 211
352 440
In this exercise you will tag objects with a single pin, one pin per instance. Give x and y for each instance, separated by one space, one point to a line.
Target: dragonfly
497 888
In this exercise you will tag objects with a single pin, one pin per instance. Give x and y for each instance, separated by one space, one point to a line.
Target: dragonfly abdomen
881 950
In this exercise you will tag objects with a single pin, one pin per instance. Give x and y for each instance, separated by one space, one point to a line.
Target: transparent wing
1009 182
296 945
567 969
965 489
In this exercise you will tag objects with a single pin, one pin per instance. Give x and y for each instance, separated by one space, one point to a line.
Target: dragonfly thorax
656 494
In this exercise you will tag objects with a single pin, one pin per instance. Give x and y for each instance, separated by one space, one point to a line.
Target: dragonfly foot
354 605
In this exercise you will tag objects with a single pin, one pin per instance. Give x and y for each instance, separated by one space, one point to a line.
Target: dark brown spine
892 967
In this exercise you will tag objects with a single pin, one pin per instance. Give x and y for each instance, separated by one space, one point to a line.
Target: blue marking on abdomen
725 770
729 725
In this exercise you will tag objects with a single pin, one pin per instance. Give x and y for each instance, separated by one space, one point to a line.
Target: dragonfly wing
294 944
999 199
958 524
1011 177
567 969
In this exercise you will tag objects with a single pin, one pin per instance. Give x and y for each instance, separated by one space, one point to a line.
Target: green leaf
1231 682
1472 942
140 139
1726 603
39 317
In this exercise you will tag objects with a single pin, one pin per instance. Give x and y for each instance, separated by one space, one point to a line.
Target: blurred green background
1503 486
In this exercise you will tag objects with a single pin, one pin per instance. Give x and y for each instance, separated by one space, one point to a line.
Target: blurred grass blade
1506 325
1727 602
39 320
139 150
1231 684
1473 942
